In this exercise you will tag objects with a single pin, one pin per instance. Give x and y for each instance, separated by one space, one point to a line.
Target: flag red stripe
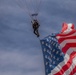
67 65
73 71
67 46
62 39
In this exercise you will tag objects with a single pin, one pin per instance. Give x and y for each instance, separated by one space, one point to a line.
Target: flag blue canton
51 53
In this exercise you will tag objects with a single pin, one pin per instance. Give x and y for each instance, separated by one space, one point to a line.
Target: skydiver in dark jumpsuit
35 26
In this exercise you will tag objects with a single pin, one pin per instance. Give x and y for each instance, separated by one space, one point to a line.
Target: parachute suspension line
38 6
29 13
21 5
35 5
17 1
38 10
27 7
34 14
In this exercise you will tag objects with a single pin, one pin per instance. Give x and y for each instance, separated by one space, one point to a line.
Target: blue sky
20 49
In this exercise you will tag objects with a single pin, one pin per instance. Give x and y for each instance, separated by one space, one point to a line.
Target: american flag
59 52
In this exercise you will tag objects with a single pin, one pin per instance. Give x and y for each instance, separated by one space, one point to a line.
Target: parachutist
35 26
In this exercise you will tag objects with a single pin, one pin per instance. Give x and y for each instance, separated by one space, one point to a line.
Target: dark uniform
35 26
